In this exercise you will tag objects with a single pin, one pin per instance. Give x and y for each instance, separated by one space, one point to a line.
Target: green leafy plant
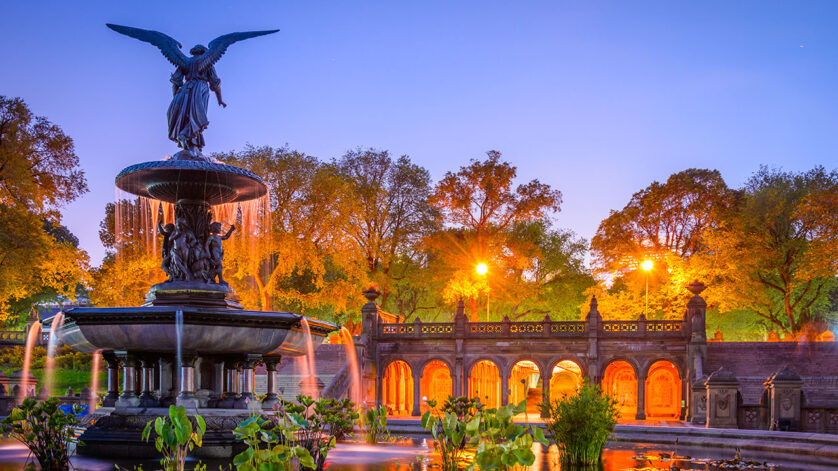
374 424
175 437
319 422
454 429
270 446
45 430
503 444
581 424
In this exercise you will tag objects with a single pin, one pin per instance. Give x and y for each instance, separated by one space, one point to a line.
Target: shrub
374 424
175 437
581 424
44 429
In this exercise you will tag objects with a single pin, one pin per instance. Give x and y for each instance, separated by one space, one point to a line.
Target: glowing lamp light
647 265
482 268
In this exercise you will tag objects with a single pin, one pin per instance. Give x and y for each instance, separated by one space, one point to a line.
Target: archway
663 391
620 381
525 383
566 379
435 384
484 383
397 388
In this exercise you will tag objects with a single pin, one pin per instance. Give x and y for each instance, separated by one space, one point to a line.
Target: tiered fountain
191 343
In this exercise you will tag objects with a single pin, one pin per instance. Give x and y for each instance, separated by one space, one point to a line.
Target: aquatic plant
374 424
454 427
320 422
270 445
175 437
503 444
45 429
581 424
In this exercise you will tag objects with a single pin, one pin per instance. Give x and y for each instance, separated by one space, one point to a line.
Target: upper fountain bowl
173 180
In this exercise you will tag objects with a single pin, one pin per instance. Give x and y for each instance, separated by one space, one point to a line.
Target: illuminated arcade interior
662 389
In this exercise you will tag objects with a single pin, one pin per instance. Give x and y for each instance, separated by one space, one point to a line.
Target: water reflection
417 455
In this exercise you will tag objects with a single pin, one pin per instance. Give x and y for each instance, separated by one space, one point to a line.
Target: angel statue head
194 77
198 49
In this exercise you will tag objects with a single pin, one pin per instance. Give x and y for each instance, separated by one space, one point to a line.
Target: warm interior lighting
482 268
647 265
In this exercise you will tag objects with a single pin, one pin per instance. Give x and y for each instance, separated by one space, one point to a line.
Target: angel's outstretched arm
229 233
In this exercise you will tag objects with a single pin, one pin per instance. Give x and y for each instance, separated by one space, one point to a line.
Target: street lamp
482 269
647 266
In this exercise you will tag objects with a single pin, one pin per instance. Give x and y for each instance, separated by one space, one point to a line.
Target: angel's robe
188 110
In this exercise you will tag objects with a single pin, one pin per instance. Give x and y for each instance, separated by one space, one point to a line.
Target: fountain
191 343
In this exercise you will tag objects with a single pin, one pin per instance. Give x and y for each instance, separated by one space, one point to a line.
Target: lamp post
647 266
482 269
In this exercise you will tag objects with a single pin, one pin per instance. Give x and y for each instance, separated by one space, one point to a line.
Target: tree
38 174
303 262
664 222
480 207
390 213
778 248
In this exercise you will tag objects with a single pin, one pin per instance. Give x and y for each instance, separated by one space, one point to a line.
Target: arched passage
435 384
484 383
620 381
663 391
565 380
397 388
525 383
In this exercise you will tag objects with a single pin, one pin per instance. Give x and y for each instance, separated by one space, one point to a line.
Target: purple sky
595 98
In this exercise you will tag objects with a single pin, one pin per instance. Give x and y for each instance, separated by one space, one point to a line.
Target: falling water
352 358
311 375
94 381
179 336
31 341
49 367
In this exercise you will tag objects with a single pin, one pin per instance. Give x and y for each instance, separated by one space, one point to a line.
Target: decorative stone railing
545 328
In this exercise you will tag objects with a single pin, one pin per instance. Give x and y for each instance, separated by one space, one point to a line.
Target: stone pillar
167 381
129 396
504 387
371 383
593 325
698 401
272 397
113 379
186 396
641 398
417 396
147 398
784 391
248 382
231 386
545 391
722 393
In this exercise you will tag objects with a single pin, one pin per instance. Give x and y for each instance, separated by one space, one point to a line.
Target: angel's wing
167 45
219 45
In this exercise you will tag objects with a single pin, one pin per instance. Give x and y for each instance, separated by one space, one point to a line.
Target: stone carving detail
192 249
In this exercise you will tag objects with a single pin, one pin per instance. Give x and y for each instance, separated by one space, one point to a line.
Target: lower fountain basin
211 331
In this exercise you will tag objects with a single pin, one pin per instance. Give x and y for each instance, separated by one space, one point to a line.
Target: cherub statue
182 242
215 251
191 83
166 252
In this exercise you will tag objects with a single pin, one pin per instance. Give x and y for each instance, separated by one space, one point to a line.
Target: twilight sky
596 98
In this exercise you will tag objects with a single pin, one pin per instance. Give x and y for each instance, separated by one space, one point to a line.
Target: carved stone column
129 396
504 387
167 381
272 397
248 382
641 398
113 379
186 396
784 388
545 391
231 385
147 398
417 394
722 389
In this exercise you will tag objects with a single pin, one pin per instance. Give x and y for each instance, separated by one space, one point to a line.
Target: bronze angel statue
191 83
